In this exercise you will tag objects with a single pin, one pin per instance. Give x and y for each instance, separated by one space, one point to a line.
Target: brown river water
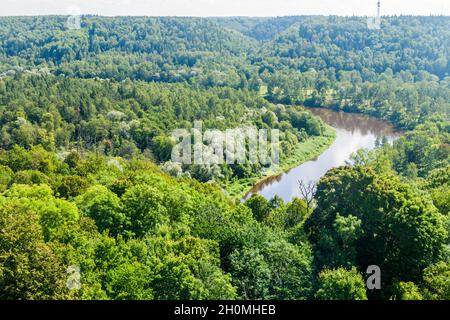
353 132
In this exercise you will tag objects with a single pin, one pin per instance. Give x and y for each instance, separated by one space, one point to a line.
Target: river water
353 132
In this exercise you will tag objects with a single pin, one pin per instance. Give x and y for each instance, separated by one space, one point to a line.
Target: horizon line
231 16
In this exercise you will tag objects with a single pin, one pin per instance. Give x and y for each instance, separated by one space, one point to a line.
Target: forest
87 181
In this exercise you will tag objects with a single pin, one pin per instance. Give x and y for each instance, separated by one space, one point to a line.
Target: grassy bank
304 151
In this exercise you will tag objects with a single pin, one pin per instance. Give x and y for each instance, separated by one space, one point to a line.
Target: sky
206 8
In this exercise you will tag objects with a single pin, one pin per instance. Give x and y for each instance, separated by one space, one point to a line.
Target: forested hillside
86 180
135 119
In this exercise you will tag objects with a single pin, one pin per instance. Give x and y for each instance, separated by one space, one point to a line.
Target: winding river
353 132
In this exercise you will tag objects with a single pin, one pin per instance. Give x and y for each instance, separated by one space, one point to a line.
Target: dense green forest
86 178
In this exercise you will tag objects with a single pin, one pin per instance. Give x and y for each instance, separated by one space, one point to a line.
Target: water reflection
353 132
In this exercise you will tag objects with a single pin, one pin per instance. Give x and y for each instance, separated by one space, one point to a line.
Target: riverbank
353 132
304 151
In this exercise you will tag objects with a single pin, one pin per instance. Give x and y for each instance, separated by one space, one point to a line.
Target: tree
407 291
307 192
58 218
130 281
144 209
71 186
162 148
30 177
296 212
6 175
251 273
436 280
105 208
29 268
187 268
341 284
260 207
290 270
387 216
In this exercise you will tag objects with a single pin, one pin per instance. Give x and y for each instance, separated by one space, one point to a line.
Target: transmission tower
379 9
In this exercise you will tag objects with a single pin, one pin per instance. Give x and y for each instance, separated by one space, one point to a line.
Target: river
353 132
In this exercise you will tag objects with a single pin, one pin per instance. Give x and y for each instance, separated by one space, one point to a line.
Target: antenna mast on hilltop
374 23
379 10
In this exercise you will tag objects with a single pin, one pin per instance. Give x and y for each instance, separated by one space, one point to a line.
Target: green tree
105 208
260 207
29 268
436 279
144 209
251 273
6 175
130 281
407 291
187 268
162 148
391 216
341 284
296 212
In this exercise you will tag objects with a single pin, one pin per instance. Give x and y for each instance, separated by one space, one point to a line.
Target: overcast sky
223 7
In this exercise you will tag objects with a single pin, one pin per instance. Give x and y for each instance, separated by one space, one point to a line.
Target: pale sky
223 7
